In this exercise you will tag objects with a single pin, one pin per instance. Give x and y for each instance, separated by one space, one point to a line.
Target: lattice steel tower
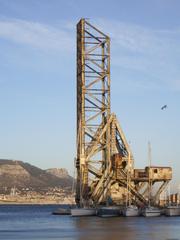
103 154
93 101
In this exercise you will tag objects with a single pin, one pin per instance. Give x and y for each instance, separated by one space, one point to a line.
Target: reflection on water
127 228
37 223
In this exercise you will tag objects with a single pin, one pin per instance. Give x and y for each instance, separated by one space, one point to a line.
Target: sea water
36 222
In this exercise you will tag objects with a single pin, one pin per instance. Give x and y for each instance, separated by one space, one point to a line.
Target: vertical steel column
93 106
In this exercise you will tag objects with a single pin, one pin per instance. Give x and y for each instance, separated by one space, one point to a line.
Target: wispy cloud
154 52
139 38
37 35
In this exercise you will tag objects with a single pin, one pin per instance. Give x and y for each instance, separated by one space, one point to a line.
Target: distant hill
24 175
59 172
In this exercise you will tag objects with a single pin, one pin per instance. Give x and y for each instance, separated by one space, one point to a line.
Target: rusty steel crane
103 155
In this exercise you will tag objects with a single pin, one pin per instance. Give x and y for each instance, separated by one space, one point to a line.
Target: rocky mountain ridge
58 172
21 175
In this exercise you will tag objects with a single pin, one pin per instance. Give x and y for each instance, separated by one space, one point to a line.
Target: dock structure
104 161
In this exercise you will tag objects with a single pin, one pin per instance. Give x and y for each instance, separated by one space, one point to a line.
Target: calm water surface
37 223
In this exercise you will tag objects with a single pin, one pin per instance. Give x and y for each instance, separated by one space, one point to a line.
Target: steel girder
99 135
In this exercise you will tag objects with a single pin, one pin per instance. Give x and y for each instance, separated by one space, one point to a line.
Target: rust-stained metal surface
153 173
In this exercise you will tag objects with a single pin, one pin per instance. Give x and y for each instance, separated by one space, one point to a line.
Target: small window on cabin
155 170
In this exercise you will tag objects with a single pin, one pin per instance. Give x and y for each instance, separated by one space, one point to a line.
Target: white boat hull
80 212
172 211
151 212
131 212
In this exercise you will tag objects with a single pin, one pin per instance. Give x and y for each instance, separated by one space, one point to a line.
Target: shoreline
69 201
33 203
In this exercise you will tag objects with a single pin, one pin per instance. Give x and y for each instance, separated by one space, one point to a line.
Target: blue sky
38 77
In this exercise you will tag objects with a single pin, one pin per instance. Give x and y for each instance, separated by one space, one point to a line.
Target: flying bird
163 107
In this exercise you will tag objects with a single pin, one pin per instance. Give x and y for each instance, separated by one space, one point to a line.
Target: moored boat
62 211
80 212
172 211
131 211
109 211
151 212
